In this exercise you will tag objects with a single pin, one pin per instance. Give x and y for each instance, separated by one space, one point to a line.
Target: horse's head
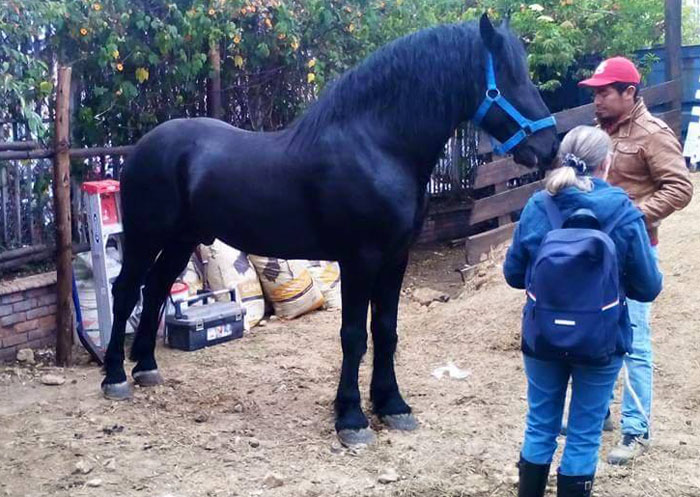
512 110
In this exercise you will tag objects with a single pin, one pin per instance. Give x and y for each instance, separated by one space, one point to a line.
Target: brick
12 340
47 299
39 292
24 326
38 334
13 318
24 305
5 310
41 312
48 322
40 343
28 283
11 298
8 354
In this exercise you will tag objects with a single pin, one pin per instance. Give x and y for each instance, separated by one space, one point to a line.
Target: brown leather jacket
648 164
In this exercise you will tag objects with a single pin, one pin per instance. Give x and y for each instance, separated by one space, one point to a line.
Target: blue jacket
639 273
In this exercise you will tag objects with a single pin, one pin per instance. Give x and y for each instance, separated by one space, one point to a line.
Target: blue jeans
591 390
639 366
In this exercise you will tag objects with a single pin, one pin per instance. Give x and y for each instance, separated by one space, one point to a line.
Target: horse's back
212 180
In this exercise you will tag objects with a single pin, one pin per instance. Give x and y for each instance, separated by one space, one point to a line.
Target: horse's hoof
403 422
354 438
148 378
117 391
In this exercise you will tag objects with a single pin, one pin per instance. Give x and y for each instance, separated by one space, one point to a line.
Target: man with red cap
648 164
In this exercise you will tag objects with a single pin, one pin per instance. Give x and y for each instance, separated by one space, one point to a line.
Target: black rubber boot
533 478
574 486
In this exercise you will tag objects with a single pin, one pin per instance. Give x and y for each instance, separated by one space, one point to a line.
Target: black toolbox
205 324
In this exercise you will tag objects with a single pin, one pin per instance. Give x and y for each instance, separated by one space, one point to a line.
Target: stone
53 379
337 448
254 443
83 467
26 356
388 475
273 480
94 483
425 296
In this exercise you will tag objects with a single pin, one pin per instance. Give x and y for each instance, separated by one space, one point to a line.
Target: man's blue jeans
591 390
640 368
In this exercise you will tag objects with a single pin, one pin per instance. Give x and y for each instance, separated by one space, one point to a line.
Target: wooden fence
510 195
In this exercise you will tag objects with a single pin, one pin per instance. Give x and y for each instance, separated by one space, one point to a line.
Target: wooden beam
482 243
503 203
61 192
78 153
661 94
570 118
214 108
585 114
673 118
31 145
672 37
499 171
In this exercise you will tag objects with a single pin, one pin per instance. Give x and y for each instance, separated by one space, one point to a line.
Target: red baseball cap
614 70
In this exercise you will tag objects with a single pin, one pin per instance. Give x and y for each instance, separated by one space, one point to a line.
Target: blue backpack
575 299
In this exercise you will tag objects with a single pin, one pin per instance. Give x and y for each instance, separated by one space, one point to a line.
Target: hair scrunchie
572 160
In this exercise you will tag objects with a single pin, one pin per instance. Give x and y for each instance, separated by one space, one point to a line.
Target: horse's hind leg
170 263
137 258
351 423
384 390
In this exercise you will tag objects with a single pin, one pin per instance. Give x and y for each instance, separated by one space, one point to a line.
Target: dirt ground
254 417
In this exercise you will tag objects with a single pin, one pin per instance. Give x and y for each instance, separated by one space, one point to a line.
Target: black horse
346 182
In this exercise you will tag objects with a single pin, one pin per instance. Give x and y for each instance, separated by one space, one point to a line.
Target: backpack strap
553 212
610 225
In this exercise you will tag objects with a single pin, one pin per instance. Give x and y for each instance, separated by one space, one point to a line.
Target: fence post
62 213
214 83
500 188
672 28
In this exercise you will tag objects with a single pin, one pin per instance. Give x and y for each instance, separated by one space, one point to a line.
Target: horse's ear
492 39
506 20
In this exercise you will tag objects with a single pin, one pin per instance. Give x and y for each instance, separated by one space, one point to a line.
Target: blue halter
493 96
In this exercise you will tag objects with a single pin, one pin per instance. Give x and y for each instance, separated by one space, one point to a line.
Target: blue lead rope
493 96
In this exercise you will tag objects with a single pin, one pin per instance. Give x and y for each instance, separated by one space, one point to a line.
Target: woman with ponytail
578 184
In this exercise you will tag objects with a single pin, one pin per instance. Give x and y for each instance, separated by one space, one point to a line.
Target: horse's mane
424 76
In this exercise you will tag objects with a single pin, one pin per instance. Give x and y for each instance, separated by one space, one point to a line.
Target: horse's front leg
387 402
351 423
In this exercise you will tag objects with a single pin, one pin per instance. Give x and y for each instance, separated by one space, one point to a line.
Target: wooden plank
503 203
673 118
62 216
482 243
214 108
29 145
569 119
499 171
585 114
672 40
498 189
661 94
78 153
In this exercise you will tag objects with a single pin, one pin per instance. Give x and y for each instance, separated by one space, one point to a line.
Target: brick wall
27 314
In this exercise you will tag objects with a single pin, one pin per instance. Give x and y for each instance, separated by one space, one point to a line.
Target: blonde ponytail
583 150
